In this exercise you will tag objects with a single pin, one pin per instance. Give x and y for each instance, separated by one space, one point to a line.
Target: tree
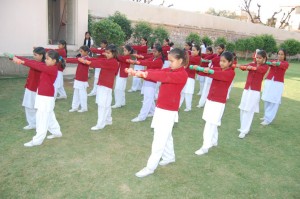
230 46
109 30
291 46
193 37
207 40
142 29
258 42
220 40
222 13
150 1
123 22
240 45
90 22
158 35
270 45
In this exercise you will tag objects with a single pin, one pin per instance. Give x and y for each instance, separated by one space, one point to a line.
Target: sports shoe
49 137
144 172
242 135
91 94
166 162
61 97
201 151
199 93
108 122
95 128
82 110
199 106
215 144
262 119
187 110
29 144
116 106
150 115
265 123
28 127
73 110
137 119
130 91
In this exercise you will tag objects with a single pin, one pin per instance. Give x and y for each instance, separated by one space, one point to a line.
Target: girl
233 66
59 82
142 50
251 94
214 60
45 101
99 51
215 104
80 82
31 88
200 76
166 49
109 69
188 47
121 79
149 87
88 41
188 90
172 81
273 87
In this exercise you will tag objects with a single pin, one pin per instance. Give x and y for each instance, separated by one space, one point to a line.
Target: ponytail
64 43
54 55
40 51
180 54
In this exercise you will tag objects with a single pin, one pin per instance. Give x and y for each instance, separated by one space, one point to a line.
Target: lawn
85 164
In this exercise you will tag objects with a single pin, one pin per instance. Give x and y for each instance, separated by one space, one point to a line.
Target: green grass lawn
84 164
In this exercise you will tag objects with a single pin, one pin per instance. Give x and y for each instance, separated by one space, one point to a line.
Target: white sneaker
91 94
144 172
239 130
95 128
28 127
199 106
73 110
165 162
187 110
215 144
199 93
116 106
29 144
264 123
82 110
201 151
137 119
108 123
242 135
61 97
262 119
130 91
150 115
49 137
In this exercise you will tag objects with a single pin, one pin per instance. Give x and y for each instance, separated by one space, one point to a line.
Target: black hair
171 44
54 55
63 42
228 56
104 41
113 49
167 40
284 53
129 48
234 56
179 54
89 39
158 47
144 38
197 48
263 54
209 48
222 46
190 44
40 51
204 43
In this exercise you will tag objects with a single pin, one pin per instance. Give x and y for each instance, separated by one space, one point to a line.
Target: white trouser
188 100
205 91
30 116
148 106
228 93
61 91
246 118
270 111
119 91
137 82
59 85
45 121
104 99
201 83
93 91
210 135
79 99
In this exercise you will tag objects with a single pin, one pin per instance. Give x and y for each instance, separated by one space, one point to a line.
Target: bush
220 40
291 46
269 43
230 46
258 42
142 29
123 22
240 45
109 30
207 40
195 37
158 35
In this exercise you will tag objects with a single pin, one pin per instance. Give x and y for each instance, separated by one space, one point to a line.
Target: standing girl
88 41
166 49
45 101
188 90
273 87
188 47
121 78
215 104
172 81
80 82
109 69
251 94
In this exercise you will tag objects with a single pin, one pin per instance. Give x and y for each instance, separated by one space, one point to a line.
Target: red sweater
109 69
140 49
47 77
220 84
172 82
82 71
278 71
62 52
98 51
215 62
165 50
255 77
152 63
193 60
123 64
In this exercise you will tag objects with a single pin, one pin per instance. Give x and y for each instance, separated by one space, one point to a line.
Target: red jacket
215 62
172 82
165 50
152 63
109 69
220 84
123 64
82 71
255 77
140 49
62 52
47 77
98 51
278 71
193 60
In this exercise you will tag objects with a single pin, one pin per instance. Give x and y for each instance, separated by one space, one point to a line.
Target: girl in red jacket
251 94
80 82
215 103
109 69
273 87
121 78
172 81
45 101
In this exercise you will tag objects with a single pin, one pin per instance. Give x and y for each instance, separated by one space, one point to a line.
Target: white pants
188 100
228 93
119 91
210 135
205 91
96 79
246 118
103 99
201 83
148 106
30 116
270 111
137 82
59 85
162 145
79 99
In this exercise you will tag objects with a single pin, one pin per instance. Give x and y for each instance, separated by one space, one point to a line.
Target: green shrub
123 22
158 35
291 46
220 40
195 37
142 29
207 40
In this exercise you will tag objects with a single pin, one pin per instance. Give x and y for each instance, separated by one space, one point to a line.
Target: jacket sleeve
156 64
40 66
225 76
165 76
